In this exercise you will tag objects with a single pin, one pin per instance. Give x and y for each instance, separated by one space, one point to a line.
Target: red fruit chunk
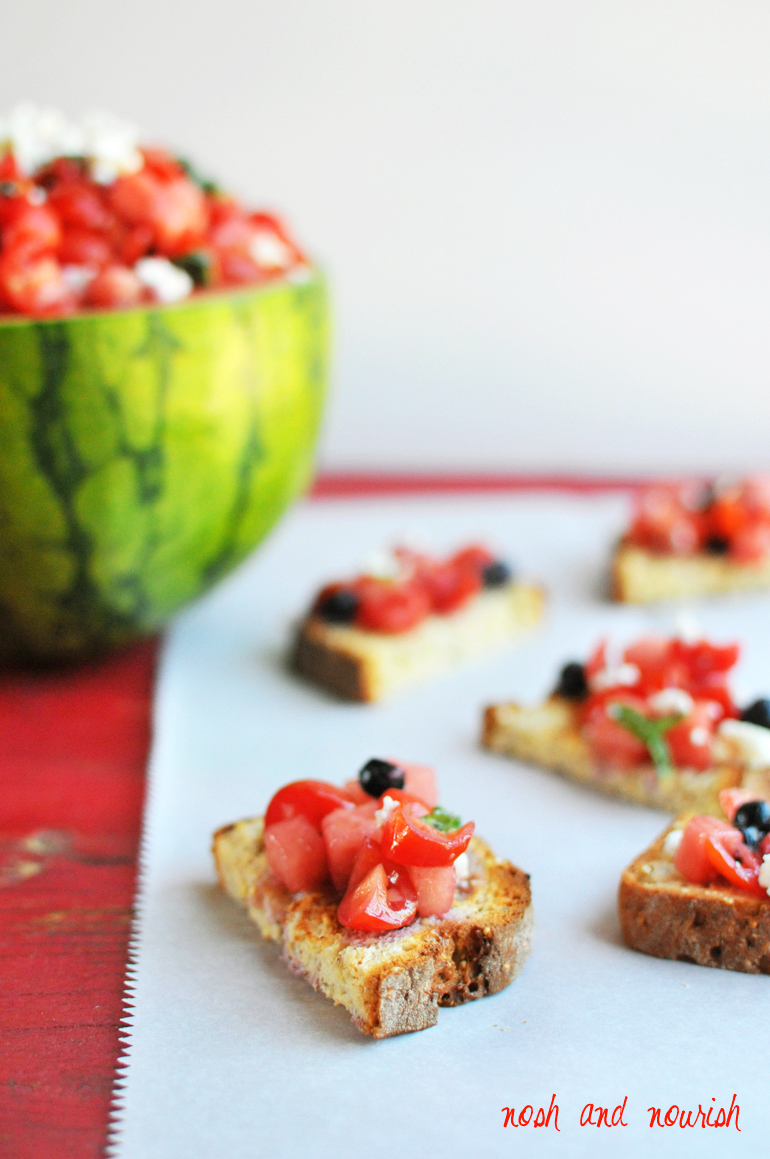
475 557
34 229
691 857
80 206
734 860
175 210
435 889
34 286
690 742
379 902
609 739
162 164
451 586
390 607
82 247
409 841
344 832
420 781
732 799
296 854
310 799
752 544
662 522
369 855
115 286
359 795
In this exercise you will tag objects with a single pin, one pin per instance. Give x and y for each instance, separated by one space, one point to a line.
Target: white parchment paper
232 1055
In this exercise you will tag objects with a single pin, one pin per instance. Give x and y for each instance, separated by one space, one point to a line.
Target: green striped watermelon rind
145 453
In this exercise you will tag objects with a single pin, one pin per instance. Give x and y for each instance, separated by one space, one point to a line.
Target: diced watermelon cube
344 832
296 853
435 888
420 780
356 793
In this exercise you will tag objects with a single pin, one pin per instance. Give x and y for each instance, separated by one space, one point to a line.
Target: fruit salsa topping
403 587
736 852
91 219
394 855
731 520
666 700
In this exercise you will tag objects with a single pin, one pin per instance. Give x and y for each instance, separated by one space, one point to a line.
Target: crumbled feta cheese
383 563
671 700
611 677
269 251
111 147
78 277
462 868
167 281
687 628
764 873
745 742
699 735
37 136
672 842
387 807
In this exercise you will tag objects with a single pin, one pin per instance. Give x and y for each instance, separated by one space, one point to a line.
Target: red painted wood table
73 751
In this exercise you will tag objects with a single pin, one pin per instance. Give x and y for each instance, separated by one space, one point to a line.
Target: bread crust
549 735
367 666
639 576
390 983
712 925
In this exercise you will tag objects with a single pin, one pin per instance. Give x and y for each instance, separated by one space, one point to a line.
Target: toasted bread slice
390 983
711 925
359 665
640 576
549 735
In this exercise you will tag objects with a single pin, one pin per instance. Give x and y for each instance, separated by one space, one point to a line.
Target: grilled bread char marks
664 915
640 576
367 666
391 983
549 735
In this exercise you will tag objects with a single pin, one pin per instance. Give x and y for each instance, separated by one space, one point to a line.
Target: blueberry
753 836
717 545
572 682
496 574
338 607
758 713
753 820
377 776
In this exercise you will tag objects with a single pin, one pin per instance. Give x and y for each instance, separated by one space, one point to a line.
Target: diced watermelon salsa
381 842
403 587
666 701
91 219
730 520
734 852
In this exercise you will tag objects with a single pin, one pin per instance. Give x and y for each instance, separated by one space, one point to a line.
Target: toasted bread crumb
368 666
640 576
709 925
390 983
549 735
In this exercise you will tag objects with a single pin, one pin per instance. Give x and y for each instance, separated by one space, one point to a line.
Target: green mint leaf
197 264
197 178
651 732
438 818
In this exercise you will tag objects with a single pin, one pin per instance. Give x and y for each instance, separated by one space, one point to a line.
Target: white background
547 223
231 1055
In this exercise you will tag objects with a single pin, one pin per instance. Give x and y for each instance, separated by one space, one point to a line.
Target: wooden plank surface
73 751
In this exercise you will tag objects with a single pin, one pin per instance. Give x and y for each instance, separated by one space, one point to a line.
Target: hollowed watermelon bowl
144 453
